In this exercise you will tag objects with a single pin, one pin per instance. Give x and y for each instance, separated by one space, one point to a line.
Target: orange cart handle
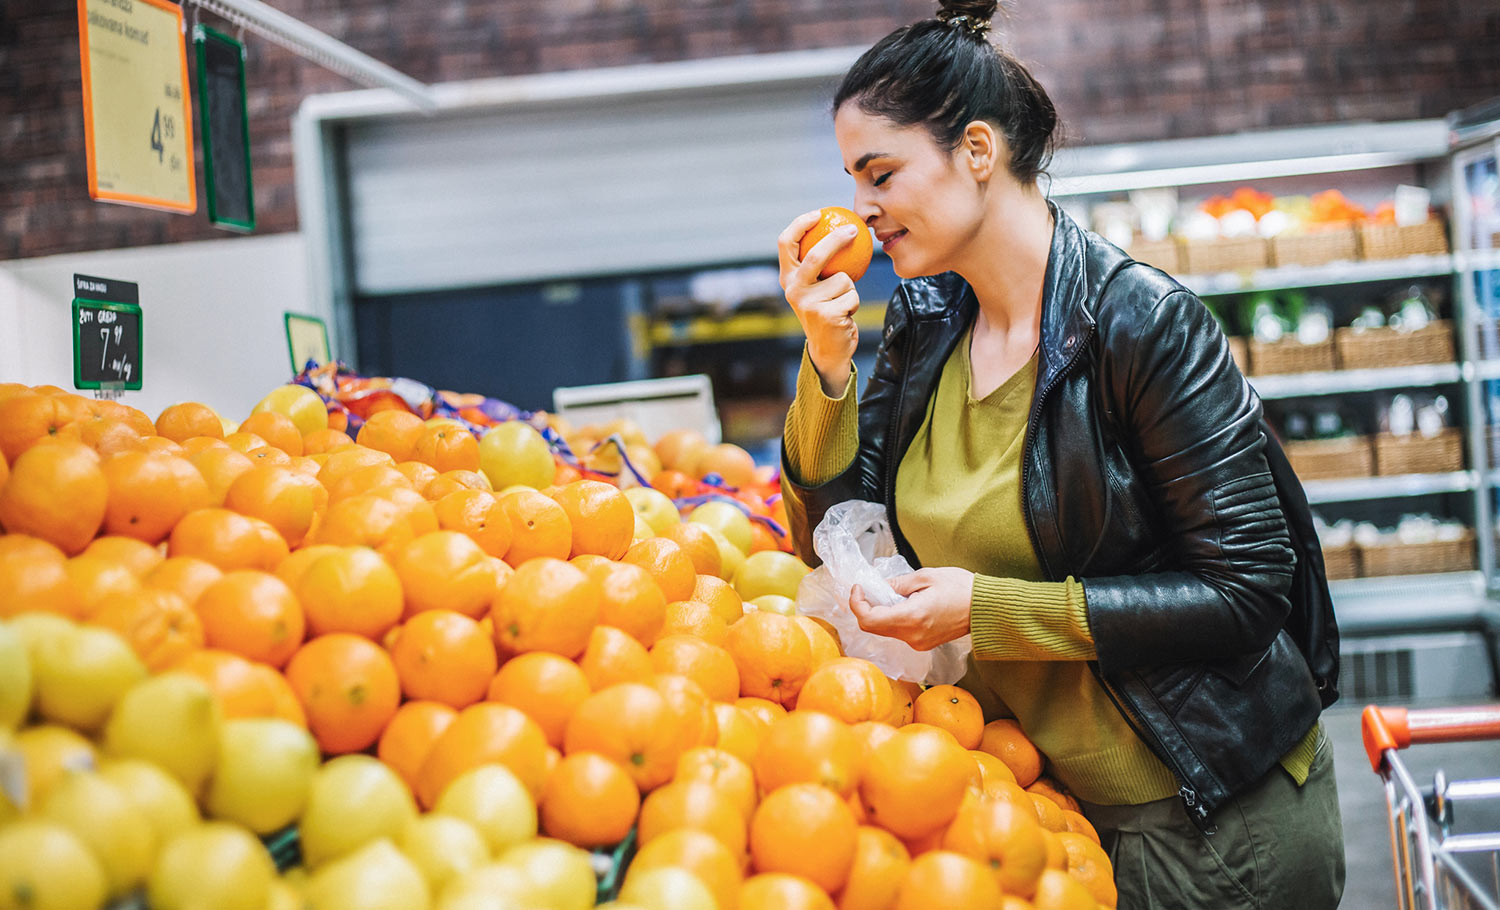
1397 728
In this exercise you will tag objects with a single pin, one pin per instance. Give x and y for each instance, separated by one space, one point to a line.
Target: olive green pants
1276 846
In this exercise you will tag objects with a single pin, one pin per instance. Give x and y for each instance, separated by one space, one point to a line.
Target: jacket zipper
1196 811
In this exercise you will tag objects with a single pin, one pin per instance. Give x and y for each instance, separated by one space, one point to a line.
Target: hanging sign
226 129
306 339
137 124
107 334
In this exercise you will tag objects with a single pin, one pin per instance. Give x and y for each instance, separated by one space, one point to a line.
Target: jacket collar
1068 296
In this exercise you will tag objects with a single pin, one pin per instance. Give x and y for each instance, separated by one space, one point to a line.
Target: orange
408 738
679 449
699 853
28 418
914 782
695 618
698 544
481 734
739 733
1004 739
870 733
228 540
447 448
1057 890
709 665
613 657
419 474
1002 836
719 594
156 624
349 689
809 747
779 891
286 499
954 710
96 578
191 447
589 801
851 689
724 771
324 440
136 555
1048 813
284 703
379 521
730 462
104 435
393 432
602 520
1046 786
452 481
348 589
804 829
368 478
697 805
880 863
631 725
476 514
162 446
763 711
245 442
346 461
904 704
992 772
761 538
670 567
57 492
239 685
445 570
676 484
547 605
854 257
539 527
1057 854
34 576
253 614
219 467
1089 865
942 878
772 654
183 421
695 721
820 641
276 429
546 687
443 656
1077 824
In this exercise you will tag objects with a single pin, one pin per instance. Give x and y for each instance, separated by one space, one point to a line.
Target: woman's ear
981 148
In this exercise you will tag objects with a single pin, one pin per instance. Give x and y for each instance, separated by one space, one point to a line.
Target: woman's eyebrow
866 159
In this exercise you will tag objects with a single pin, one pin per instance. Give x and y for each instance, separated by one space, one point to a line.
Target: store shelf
1306 276
1354 489
748 327
1339 382
1400 603
1476 260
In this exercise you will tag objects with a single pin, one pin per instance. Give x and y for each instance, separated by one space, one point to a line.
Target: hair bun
972 15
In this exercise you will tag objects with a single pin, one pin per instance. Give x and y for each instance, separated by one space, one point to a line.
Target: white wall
212 311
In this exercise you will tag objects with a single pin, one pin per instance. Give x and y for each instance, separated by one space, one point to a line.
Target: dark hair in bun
943 73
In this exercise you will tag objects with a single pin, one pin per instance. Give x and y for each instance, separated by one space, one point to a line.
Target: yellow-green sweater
958 502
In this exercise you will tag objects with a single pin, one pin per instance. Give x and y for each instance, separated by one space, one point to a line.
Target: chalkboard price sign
226 129
107 334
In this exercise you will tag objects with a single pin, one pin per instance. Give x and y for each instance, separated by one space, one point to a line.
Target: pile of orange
382 595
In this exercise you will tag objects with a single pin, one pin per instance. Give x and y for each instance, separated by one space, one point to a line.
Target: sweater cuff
1011 619
821 436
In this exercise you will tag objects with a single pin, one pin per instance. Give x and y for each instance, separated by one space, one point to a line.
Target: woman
1061 438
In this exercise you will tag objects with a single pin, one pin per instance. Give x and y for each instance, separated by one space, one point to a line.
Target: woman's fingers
789 241
813 263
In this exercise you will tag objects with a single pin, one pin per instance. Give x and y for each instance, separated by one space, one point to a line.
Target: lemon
104 818
265 769
727 520
770 572
81 673
658 510
443 847
491 887
50 753
161 797
214 866
730 556
283 896
374 877
495 802
172 720
773 603
35 628
12 777
15 678
667 888
558 875
303 405
44 866
353 800
513 453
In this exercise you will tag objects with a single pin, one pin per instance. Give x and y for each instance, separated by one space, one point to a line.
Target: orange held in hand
854 258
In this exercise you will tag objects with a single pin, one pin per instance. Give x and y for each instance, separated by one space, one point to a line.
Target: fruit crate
1328 459
1387 241
285 847
1417 454
1225 254
1359 349
1341 562
1239 349
1315 248
1291 356
1396 558
610 864
1163 254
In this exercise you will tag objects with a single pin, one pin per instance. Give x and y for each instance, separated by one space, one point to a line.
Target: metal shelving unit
1355 489
1334 273
1341 382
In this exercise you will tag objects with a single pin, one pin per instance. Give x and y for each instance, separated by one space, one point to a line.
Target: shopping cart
1436 868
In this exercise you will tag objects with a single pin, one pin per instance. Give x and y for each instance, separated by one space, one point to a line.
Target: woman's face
922 202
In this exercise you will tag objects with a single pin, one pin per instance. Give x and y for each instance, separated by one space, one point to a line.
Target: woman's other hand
826 306
935 611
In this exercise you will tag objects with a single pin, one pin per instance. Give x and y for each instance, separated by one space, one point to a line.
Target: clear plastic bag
855 543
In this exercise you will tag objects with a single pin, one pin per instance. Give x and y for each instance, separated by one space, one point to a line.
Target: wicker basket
1387 241
1417 454
1341 562
1326 459
1291 356
1225 254
1239 349
1360 349
1396 558
1163 254
1316 248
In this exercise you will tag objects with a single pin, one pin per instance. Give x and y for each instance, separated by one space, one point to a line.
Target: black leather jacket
1144 475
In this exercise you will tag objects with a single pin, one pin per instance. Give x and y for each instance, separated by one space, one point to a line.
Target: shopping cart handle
1397 728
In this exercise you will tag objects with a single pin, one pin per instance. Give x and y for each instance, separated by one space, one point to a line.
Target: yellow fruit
354 799
265 769
50 753
655 507
35 628
171 720
12 783
45 866
727 520
730 556
770 572
158 795
489 887
15 678
374 877
80 674
214 865
443 847
773 603
513 453
299 403
495 802
667 888
283 896
558 875
118 833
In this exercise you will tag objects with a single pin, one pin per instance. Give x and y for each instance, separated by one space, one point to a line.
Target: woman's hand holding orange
825 307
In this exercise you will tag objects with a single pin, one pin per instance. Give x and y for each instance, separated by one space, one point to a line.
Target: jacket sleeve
1193 429
863 478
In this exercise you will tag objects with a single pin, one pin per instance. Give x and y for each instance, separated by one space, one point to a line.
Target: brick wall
1120 70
